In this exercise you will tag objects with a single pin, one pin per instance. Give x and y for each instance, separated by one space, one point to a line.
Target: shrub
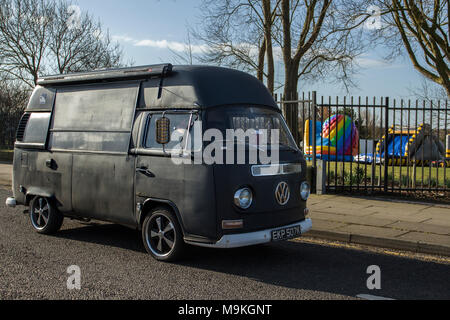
404 180
431 182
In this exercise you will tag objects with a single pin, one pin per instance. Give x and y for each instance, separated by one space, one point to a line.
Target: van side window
96 117
37 128
179 124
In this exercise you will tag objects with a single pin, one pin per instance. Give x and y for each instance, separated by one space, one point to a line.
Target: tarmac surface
114 265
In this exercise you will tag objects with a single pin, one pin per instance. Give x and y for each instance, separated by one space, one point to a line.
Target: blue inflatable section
338 158
397 146
317 135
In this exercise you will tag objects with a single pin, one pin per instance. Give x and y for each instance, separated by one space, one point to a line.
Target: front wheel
45 217
162 235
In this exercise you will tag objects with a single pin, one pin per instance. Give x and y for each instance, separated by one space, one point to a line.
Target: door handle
50 163
145 171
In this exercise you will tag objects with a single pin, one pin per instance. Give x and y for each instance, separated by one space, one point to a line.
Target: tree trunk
35 77
290 94
261 57
290 82
270 68
267 11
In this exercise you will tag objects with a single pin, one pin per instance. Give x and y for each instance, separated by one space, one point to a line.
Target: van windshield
247 118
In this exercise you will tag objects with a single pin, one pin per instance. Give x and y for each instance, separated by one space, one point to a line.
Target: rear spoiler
142 72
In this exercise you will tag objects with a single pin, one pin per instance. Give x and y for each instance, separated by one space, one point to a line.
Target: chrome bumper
251 238
11 202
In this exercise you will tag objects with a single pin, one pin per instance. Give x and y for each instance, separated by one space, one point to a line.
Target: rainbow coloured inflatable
337 139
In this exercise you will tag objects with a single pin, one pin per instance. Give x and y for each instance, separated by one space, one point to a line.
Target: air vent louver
22 126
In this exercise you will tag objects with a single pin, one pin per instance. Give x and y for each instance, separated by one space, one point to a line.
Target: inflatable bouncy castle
337 139
414 144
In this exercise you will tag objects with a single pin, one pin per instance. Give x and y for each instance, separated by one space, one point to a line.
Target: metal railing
376 145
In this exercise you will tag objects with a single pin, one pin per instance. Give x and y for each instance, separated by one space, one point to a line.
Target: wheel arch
37 192
151 203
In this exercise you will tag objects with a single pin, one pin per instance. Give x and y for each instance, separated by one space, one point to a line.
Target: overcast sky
149 29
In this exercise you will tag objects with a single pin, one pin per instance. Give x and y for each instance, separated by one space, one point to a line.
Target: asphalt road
114 265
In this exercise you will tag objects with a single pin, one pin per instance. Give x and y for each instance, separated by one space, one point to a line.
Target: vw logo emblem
282 193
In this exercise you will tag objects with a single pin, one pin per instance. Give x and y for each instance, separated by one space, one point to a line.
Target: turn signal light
306 212
232 224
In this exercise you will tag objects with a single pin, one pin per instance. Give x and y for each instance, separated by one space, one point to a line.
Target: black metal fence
376 145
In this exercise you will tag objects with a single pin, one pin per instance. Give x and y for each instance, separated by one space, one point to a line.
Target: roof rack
109 74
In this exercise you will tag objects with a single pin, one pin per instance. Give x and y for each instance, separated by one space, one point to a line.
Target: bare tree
188 55
78 43
268 20
23 40
43 36
315 40
425 24
319 40
429 91
239 35
13 99
419 30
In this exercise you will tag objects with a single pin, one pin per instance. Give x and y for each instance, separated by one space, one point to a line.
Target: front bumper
251 238
11 202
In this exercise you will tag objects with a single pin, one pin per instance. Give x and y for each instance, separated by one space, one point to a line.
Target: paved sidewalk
414 227
408 226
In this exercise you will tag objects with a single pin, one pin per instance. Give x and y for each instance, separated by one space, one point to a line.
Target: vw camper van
99 145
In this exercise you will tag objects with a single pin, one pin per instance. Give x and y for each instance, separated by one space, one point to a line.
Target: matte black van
95 146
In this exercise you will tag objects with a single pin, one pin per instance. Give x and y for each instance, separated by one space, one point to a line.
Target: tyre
162 236
44 216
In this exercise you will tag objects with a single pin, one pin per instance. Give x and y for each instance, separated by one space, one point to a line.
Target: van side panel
189 187
199 205
164 181
57 178
103 187
31 172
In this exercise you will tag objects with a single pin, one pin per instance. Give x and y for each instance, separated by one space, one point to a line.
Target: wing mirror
163 130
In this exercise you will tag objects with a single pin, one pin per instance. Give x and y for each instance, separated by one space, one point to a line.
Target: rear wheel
44 216
162 235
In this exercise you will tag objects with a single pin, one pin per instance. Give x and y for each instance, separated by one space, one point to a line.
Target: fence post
386 135
314 122
321 177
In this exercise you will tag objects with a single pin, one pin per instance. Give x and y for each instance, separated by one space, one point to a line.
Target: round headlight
243 198
305 190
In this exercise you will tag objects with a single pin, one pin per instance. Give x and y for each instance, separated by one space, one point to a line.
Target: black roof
168 86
